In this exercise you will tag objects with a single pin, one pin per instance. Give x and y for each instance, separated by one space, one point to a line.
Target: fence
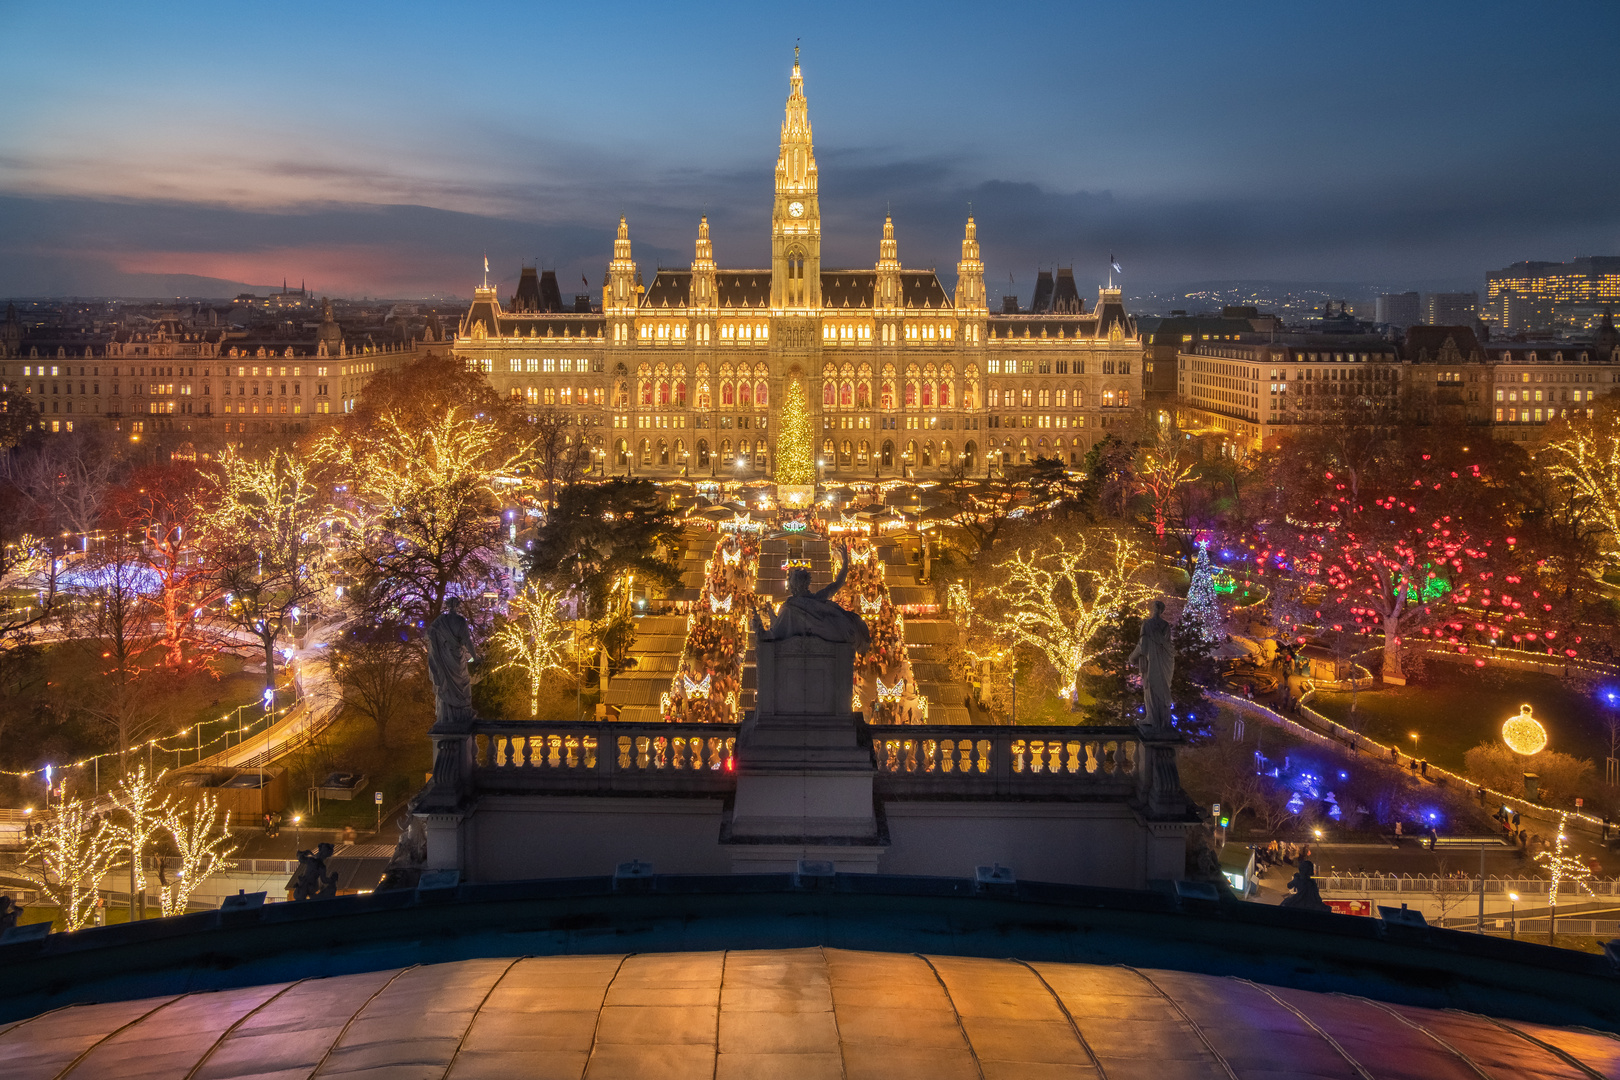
1463 886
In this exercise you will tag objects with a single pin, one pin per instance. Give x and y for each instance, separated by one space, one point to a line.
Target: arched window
762 395
646 392
745 395
911 394
928 454
845 454
1079 398
886 397
1023 450
646 452
846 394
970 455
1046 396
621 452
727 395
944 395
725 452
927 395
663 393
680 394
863 453
827 394
1108 399
663 452
947 454
703 453
888 454
863 395
703 395
826 451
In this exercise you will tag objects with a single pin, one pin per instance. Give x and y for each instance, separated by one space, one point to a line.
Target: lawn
1456 708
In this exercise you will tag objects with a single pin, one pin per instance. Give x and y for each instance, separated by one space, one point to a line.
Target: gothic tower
619 295
796 219
703 293
889 293
970 274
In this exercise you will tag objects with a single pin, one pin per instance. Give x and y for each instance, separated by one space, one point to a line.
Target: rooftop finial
796 52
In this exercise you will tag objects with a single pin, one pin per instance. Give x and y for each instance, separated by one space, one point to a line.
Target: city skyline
385 156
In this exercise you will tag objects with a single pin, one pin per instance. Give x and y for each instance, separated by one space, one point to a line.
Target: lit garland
795 442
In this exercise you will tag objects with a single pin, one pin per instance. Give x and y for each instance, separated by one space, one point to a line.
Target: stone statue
450 646
311 881
1303 893
1155 657
813 614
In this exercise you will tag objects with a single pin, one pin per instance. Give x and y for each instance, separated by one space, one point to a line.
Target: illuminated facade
685 376
1547 295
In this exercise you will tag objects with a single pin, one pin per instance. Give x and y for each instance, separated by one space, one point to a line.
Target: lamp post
1513 920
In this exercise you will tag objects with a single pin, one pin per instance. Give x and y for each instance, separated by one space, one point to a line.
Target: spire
888 250
620 291
888 288
703 290
796 220
970 272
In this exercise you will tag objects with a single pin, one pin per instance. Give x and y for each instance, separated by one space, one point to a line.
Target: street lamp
1513 922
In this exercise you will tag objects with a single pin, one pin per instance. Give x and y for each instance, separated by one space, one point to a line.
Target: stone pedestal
804 782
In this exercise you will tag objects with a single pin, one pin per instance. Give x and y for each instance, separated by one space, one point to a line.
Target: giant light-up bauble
1524 734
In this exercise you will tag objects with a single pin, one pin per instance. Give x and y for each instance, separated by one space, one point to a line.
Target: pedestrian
1424 768
1434 838
1397 830
1515 819
1394 755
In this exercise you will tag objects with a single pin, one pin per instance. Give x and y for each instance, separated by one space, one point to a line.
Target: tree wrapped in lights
424 519
1056 599
165 506
142 814
1565 870
1585 456
202 836
1396 551
266 546
74 849
1203 610
1161 474
795 441
534 639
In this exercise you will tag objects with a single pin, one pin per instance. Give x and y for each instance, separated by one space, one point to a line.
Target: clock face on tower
795 209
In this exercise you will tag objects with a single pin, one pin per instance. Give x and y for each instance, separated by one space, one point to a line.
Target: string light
1563 867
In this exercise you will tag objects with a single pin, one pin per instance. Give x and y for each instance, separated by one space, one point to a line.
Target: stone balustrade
1082 760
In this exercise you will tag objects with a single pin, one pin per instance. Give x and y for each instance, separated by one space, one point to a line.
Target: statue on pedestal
1303 893
813 614
450 646
1155 657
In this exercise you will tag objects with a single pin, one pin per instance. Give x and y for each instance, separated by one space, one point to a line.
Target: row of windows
1552 395
243 389
171 371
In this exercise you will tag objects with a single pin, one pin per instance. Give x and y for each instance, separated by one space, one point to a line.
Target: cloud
1426 225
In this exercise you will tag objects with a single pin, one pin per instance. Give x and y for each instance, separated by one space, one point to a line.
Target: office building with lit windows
684 376
1553 296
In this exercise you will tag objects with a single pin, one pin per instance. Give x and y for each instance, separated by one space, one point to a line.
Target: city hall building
685 376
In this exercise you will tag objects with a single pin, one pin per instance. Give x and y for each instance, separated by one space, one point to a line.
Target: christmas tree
795 442
1202 609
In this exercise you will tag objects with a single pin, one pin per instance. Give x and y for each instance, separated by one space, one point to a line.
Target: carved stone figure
813 614
1303 893
1155 657
450 646
311 881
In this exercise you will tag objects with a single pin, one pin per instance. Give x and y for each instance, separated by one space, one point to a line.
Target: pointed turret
703 291
970 297
796 220
889 292
619 294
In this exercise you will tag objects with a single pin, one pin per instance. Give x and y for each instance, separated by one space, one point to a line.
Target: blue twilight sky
382 148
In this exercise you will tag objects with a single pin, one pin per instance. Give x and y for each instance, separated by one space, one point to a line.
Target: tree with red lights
163 509
1395 549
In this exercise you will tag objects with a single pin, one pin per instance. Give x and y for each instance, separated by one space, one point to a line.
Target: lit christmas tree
1202 607
795 442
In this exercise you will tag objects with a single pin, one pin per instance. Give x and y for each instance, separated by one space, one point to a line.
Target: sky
384 149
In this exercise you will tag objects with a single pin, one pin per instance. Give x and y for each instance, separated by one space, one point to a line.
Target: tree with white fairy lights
534 639
74 848
202 836
1057 598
